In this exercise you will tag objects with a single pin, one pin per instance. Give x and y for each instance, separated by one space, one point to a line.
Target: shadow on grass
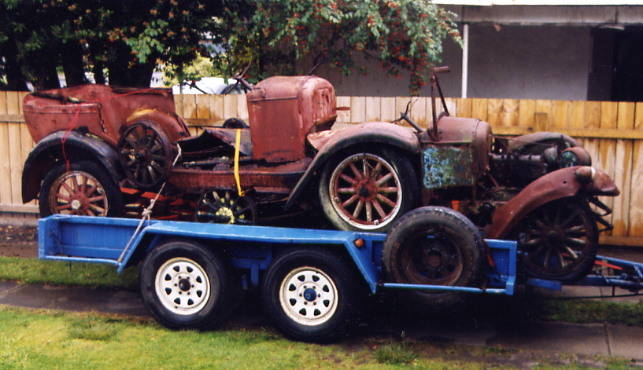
91 329
393 314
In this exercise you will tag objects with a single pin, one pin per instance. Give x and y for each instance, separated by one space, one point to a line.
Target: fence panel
611 131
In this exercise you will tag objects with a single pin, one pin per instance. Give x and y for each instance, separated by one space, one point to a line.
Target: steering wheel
247 86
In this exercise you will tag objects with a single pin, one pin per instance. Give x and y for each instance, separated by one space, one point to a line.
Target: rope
74 119
147 212
237 179
72 124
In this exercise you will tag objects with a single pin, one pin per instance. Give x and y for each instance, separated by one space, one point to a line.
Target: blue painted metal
310 294
630 275
102 240
503 271
443 288
547 284
501 277
636 266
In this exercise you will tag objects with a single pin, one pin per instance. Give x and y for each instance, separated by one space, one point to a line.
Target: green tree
277 35
123 41
126 39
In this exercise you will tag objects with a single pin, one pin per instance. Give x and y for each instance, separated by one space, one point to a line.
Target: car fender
562 183
329 143
520 142
171 124
49 151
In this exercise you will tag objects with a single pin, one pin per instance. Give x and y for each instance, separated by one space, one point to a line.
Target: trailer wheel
436 246
185 285
311 295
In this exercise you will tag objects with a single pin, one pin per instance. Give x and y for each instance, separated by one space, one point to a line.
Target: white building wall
529 62
522 62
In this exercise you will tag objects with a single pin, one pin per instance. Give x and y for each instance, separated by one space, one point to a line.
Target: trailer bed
113 241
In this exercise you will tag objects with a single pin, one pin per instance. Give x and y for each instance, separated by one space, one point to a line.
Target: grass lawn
28 270
42 339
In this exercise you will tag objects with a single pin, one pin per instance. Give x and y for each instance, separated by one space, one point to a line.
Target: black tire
437 246
197 296
329 315
62 182
525 146
145 154
235 123
343 215
558 240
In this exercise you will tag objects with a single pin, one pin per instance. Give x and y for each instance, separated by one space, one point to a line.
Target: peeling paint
446 166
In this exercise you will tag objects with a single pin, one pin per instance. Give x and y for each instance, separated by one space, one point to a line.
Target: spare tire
435 246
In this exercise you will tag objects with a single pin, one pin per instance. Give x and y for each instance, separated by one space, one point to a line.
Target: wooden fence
611 131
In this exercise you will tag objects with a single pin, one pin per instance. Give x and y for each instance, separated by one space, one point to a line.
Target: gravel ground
18 241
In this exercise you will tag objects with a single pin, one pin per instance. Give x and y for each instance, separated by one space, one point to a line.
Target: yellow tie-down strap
237 145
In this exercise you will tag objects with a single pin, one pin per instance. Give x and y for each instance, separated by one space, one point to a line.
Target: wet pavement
68 298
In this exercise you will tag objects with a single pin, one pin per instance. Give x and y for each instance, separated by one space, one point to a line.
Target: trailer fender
562 183
267 241
329 143
48 152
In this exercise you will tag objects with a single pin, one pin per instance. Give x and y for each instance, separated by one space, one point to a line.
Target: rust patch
283 110
102 109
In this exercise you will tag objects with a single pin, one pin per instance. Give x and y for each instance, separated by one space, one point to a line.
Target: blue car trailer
311 281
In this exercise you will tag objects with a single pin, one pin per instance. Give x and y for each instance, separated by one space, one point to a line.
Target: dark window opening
617 64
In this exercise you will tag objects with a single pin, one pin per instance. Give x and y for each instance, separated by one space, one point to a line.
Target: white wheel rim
182 286
360 213
308 296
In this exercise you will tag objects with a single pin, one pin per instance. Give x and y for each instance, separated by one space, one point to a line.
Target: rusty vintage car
95 141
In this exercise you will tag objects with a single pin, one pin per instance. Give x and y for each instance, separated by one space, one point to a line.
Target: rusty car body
95 141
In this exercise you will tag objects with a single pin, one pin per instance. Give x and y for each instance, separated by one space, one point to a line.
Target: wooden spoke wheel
82 188
145 154
225 207
78 193
558 240
367 191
